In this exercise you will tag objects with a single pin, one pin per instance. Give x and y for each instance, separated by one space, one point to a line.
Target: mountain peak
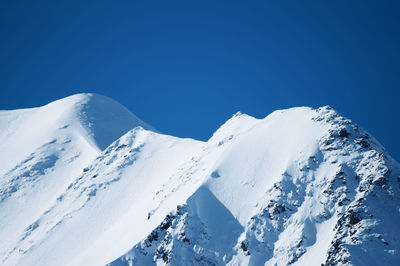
91 119
105 119
300 186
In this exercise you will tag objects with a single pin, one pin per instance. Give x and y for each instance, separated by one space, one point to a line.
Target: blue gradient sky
186 66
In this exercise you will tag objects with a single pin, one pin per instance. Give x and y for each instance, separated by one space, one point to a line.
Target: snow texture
85 182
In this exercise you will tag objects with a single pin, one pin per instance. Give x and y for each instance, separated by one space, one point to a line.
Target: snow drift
85 182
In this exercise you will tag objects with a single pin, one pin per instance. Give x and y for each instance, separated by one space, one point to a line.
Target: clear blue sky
186 66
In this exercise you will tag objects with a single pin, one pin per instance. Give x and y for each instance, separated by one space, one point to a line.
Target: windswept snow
93 120
91 184
43 150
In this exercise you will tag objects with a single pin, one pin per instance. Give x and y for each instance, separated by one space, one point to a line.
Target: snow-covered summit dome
104 118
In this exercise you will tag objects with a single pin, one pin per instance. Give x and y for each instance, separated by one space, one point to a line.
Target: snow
317 252
43 150
92 184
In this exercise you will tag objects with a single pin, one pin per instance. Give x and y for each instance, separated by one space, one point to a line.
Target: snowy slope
43 149
300 186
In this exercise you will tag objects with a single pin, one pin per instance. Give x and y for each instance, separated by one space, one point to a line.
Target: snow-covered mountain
85 182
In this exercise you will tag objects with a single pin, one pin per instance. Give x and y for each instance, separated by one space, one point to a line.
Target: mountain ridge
258 191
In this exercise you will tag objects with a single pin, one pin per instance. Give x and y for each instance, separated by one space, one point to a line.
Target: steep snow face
108 202
300 186
105 120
